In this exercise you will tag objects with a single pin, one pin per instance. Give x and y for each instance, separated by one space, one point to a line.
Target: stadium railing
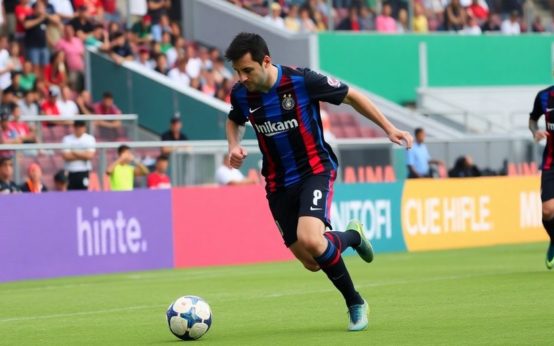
195 162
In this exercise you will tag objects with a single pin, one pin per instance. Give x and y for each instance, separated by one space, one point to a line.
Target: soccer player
544 104
282 104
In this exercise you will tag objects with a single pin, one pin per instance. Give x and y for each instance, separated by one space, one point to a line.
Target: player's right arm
235 131
534 116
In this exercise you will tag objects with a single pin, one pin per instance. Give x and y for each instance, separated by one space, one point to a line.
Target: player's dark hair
246 42
122 148
418 130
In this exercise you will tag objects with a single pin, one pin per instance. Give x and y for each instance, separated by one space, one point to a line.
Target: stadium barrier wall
389 65
77 233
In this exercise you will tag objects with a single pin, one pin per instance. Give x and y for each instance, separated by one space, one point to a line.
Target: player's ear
267 61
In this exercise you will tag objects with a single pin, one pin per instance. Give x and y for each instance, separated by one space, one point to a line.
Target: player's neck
272 78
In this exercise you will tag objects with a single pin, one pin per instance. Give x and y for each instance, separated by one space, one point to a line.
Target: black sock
549 227
344 240
332 264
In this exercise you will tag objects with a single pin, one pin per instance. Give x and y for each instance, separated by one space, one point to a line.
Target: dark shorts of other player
78 180
547 185
310 197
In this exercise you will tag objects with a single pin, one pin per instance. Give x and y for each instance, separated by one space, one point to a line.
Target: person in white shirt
78 156
471 27
274 16
5 64
511 26
28 104
65 104
227 175
179 72
194 63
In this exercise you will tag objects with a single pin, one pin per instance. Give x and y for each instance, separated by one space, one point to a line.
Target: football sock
332 264
549 227
344 240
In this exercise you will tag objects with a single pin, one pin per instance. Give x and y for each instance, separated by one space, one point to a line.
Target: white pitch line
260 296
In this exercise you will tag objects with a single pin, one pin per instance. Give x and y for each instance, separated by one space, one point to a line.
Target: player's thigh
310 235
316 196
284 209
547 194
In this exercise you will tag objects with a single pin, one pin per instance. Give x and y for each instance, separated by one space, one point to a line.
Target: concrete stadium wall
76 233
389 65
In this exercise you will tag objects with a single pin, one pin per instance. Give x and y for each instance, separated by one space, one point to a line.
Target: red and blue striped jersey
288 126
544 104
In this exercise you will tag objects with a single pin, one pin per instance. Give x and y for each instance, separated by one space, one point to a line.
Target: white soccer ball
189 317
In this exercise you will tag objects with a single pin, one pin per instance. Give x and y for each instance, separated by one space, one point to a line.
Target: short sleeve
92 144
324 88
235 114
537 111
66 140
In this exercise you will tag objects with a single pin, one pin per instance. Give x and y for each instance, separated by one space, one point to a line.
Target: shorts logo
333 82
288 102
317 196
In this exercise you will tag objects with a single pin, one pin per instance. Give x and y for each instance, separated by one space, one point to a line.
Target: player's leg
547 196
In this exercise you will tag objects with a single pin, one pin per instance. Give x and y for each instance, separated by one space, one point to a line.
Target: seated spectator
179 72
49 105
78 157
28 105
274 16
194 63
142 30
122 172
7 186
60 181
108 129
16 57
166 43
471 27
492 23
28 76
220 71
23 130
33 184
98 38
8 134
291 21
454 16
55 73
306 22
367 19
74 52
15 87
384 22
227 175
173 134
352 22
66 106
120 51
6 66
463 168
161 64
479 10
156 9
84 102
208 85
402 22
537 25
420 23
511 26
144 59
159 179
419 159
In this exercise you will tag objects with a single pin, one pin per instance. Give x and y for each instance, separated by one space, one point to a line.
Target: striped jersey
544 104
288 126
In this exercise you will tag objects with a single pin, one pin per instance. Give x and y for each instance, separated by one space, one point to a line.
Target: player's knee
313 267
311 244
547 211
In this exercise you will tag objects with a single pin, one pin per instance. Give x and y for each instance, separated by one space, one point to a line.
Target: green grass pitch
490 296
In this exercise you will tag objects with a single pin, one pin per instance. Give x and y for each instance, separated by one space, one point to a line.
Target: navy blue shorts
547 185
310 197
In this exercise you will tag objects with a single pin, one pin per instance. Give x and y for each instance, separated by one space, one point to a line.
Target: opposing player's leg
547 196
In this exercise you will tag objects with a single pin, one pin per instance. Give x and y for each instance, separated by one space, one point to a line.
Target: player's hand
540 135
401 138
237 156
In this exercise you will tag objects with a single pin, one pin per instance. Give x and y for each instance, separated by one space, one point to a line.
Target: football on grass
189 317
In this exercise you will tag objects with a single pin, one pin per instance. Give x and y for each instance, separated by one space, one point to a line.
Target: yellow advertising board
459 213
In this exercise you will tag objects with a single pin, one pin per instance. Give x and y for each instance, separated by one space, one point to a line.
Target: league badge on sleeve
333 82
288 102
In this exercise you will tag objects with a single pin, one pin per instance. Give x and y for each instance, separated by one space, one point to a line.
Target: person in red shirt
107 129
159 179
478 11
95 8
26 134
22 10
56 72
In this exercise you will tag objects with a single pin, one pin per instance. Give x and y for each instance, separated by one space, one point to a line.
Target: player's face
253 75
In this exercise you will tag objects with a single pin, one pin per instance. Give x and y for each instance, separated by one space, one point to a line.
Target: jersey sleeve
324 88
537 111
235 114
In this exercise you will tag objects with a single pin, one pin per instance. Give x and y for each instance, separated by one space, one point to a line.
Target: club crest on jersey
288 102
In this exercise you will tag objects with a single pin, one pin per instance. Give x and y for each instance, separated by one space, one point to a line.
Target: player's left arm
534 116
367 108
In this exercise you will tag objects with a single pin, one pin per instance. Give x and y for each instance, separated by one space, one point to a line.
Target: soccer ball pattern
189 317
